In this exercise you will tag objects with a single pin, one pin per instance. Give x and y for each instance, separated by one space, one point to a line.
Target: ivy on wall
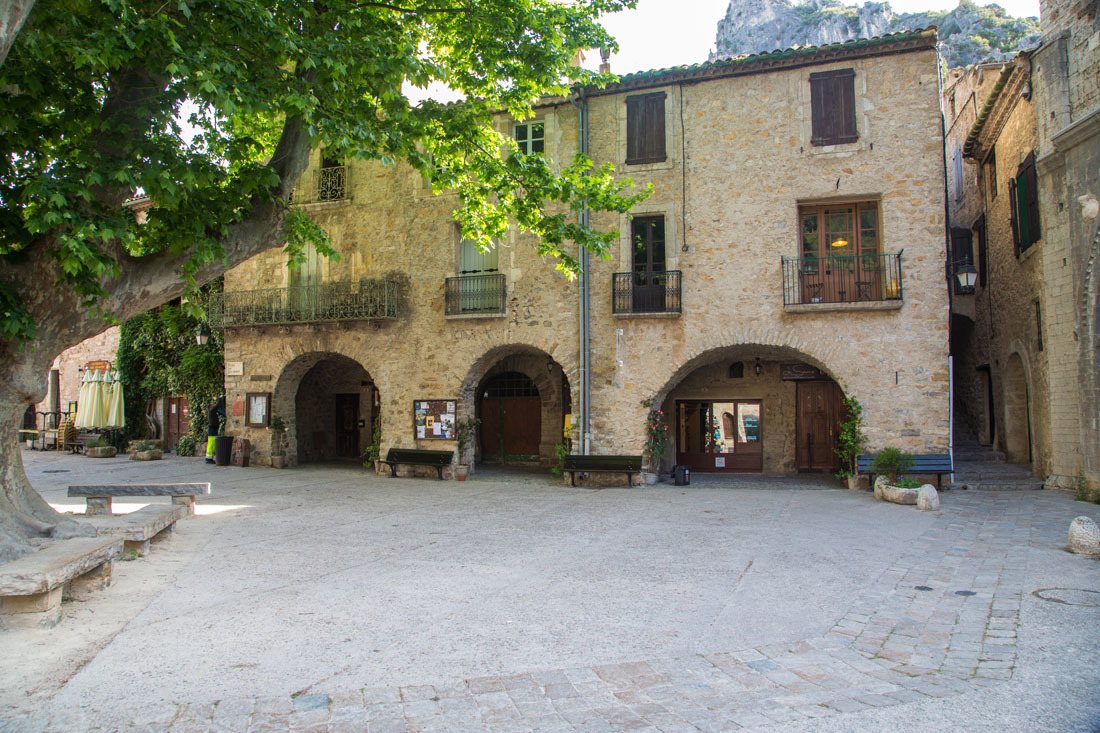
158 357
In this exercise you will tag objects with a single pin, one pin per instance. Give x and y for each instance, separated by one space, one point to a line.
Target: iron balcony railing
646 292
847 279
365 300
475 294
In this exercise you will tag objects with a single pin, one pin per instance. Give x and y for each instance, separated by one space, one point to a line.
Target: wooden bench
629 465
137 529
31 587
437 459
924 464
99 496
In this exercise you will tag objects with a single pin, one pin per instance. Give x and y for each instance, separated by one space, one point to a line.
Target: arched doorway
1017 422
328 402
752 409
522 397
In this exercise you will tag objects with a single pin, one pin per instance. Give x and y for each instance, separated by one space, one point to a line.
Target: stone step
1032 484
980 453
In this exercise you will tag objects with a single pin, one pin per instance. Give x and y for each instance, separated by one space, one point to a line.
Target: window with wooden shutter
1024 200
833 107
645 128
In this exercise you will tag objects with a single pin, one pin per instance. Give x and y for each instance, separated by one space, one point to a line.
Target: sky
662 33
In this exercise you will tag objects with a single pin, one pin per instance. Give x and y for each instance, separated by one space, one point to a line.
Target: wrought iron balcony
472 294
645 292
848 279
366 300
332 183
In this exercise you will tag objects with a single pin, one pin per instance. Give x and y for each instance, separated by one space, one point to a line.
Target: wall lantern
967 275
202 336
757 368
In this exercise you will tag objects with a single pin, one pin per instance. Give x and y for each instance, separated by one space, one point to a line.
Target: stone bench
31 587
99 496
137 529
629 465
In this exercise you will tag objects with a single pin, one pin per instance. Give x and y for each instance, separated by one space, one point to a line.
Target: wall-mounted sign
801 372
257 409
234 368
434 419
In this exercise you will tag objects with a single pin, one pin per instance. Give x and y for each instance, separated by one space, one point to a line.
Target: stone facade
1026 376
66 373
738 166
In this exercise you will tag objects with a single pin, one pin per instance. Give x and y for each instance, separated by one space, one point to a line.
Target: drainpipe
580 101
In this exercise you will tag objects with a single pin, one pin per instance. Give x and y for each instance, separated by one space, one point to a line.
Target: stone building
1025 215
67 374
791 253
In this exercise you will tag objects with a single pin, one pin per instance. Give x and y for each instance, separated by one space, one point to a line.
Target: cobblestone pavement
941 621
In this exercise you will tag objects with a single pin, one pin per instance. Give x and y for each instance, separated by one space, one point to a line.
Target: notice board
434 419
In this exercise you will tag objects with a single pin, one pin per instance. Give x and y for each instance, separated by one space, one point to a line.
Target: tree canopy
209 110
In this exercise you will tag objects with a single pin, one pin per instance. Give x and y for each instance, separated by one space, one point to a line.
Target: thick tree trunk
13 14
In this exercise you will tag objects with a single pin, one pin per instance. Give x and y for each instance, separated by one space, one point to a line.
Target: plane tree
208 110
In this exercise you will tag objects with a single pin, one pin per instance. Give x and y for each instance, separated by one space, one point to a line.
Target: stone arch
708 376
330 372
549 377
1016 396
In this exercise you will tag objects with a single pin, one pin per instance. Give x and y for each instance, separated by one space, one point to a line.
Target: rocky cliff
968 34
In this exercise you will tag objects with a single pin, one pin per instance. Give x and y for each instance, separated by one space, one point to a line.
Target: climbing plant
158 356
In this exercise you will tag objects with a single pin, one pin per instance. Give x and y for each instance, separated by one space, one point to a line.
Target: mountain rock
968 34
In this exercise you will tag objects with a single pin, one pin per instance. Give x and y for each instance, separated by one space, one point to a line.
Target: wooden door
720 436
511 428
648 236
819 410
179 420
347 425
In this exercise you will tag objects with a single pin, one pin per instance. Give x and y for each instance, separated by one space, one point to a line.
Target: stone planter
278 461
461 472
153 454
926 497
107 451
649 479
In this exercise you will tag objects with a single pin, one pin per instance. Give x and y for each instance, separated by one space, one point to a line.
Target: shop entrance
720 436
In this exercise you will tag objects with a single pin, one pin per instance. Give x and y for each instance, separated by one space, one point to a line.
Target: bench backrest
924 463
602 463
421 457
140 490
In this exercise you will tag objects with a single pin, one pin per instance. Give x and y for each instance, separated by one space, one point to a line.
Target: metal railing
332 183
646 292
848 279
365 300
475 294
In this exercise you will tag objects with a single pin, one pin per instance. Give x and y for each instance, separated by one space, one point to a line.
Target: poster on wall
434 419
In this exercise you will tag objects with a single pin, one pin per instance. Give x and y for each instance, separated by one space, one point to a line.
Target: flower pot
278 461
461 471
853 482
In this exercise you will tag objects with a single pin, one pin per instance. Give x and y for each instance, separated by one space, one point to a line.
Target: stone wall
69 363
738 167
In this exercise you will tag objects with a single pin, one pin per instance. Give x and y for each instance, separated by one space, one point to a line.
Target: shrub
185 446
892 463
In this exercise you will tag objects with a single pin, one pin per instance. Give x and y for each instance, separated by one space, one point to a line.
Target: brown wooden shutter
833 107
1032 195
821 120
655 127
635 128
1012 216
844 86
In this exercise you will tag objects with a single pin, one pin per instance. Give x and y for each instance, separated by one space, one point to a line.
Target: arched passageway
752 409
523 400
328 402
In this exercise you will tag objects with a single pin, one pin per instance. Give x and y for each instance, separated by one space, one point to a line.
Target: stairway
979 467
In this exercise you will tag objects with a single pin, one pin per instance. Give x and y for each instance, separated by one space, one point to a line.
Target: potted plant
656 441
849 442
278 447
372 454
465 432
891 484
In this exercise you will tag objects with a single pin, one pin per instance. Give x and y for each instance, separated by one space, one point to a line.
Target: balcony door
720 436
305 282
841 256
648 236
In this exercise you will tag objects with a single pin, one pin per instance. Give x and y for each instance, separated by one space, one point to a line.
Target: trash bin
681 475
223 449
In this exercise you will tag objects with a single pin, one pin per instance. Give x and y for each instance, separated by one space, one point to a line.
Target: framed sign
257 409
434 419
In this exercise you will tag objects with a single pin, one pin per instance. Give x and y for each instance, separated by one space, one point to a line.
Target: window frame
524 146
645 128
833 108
1024 194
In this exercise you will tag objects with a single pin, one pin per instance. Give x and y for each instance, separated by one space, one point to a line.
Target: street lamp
967 275
202 336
